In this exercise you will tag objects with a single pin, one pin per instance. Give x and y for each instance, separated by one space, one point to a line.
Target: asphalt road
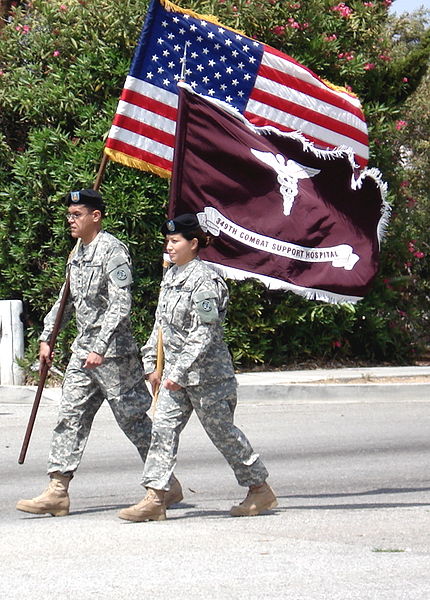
353 520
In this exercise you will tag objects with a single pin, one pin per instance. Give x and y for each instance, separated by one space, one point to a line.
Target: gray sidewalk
351 384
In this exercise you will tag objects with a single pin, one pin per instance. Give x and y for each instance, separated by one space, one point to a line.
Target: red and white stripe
290 97
144 124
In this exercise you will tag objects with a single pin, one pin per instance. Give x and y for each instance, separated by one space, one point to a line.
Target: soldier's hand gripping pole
57 324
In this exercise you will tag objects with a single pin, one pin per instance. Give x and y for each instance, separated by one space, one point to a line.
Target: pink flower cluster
280 29
346 55
23 28
293 24
330 38
369 66
401 125
344 10
412 249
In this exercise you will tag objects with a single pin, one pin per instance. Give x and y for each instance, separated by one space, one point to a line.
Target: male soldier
104 362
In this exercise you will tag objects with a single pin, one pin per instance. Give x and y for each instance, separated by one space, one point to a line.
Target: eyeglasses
74 216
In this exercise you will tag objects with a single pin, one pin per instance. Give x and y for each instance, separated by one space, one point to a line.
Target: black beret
181 224
90 198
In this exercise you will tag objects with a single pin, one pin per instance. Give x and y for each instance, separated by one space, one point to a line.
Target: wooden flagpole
160 353
172 191
55 331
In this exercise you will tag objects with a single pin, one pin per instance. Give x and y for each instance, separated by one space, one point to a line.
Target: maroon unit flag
281 210
265 85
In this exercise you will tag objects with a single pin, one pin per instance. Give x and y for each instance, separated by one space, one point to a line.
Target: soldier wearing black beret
88 197
198 376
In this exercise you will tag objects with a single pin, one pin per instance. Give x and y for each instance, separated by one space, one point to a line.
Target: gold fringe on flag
339 88
187 11
136 163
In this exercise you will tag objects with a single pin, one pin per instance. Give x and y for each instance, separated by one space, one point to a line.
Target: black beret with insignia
88 197
181 224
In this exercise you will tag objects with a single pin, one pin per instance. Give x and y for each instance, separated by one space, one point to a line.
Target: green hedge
62 68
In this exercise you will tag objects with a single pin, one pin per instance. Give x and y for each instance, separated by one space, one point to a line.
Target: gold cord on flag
338 88
135 163
169 6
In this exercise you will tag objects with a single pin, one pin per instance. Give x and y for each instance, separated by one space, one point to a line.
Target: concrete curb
318 385
305 392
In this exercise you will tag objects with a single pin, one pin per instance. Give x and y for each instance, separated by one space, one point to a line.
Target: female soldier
198 375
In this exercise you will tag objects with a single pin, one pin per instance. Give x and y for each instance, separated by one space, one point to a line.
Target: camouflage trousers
214 405
121 382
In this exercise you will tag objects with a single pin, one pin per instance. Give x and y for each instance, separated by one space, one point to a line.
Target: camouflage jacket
100 296
191 308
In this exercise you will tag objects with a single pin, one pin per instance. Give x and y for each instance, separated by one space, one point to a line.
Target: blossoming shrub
407 270
62 67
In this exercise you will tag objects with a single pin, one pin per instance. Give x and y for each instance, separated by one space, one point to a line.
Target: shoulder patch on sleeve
119 271
121 276
206 306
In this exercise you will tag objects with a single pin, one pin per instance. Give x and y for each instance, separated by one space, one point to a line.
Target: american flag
265 85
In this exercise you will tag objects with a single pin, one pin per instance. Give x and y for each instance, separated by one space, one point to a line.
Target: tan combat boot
258 499
174 495
151 508
54 500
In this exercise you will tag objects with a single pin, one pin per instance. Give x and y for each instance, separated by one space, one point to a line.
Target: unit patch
119 272
206 306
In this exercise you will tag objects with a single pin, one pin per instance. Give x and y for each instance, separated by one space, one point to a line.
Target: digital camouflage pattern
214 404
121 382
100 276
100 297
191 308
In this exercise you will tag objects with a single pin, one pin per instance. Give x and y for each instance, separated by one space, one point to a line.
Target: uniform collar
180 274
88 251
85 253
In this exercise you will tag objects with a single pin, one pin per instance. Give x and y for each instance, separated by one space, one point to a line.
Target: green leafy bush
62 67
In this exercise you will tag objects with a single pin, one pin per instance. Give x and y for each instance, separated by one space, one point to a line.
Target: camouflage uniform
191 308
100 278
